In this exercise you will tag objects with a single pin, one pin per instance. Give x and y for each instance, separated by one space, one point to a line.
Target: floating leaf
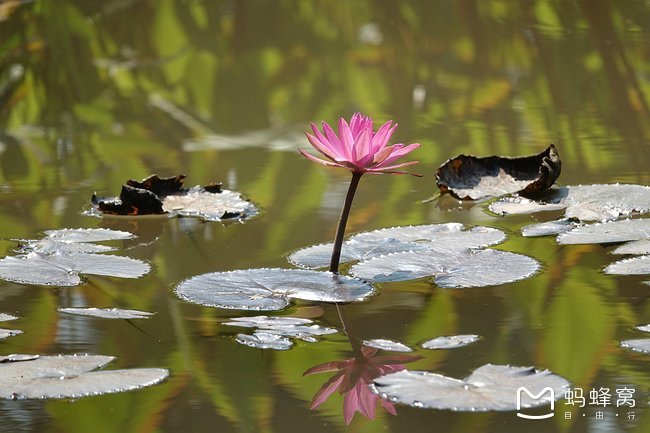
264 340
608 232
270 289
64 270
450 342
388 345
641 246
471 178
69 241
69 376
450 269
363 246
634 266
108 313
17 357
583 202
488 388
4 317
522 205
303 329
6 333
155 195
644 328
548 228
209 206
639 345
87 235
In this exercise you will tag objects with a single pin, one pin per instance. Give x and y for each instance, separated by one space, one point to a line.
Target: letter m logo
546 395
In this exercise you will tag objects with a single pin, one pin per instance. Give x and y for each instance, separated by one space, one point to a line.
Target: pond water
95 93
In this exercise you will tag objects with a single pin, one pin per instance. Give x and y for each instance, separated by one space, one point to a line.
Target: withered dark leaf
160 186
470 178
132 201
155 195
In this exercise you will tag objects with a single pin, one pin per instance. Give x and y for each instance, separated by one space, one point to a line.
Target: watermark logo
547 395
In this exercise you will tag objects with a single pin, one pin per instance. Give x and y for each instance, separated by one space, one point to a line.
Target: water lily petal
381 137
347 140
321 147
362 148
333 146
326 390
318 160
332 138
399 152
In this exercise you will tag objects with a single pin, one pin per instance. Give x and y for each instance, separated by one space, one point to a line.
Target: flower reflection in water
352 379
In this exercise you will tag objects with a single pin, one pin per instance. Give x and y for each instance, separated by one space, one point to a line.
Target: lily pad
302 329
108 313
641 345
488 388
264 340
639 247
466 268
69 241
634 266
607 232
6 333
87 235
15 357
388 345
450 342
549 228
363 246
69 376
208 205
582 202
65 270
270 289
471 178
155 196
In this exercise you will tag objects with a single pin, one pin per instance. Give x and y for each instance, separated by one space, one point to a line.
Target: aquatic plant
361 150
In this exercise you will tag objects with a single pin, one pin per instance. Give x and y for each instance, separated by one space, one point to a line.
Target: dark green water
95 93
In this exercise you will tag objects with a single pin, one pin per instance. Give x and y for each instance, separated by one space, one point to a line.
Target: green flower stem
343 221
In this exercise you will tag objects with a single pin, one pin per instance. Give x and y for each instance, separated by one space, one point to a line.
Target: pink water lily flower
358 148
353 379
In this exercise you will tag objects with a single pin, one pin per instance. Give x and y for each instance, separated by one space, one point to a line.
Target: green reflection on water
94 93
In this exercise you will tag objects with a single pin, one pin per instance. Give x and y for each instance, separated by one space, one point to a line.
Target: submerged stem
345 322
343 220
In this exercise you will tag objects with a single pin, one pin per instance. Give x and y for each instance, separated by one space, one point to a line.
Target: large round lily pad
466 268
366 245
270 289
488 388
